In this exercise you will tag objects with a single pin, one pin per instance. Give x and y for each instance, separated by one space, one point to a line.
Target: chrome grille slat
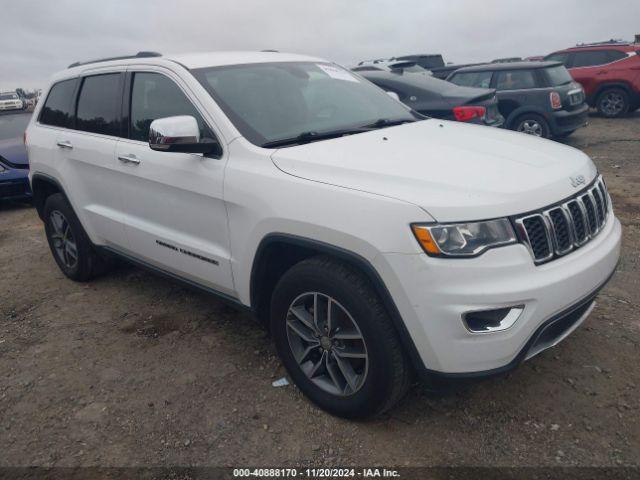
555 231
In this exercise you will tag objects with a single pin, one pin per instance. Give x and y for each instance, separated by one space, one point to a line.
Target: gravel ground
131 369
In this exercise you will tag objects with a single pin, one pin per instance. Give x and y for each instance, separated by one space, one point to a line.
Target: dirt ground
131 369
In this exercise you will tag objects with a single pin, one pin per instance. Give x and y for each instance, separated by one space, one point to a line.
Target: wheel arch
43 186
277 252
526 109
610 85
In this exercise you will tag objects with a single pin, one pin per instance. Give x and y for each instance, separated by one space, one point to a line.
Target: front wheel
532 124
613 103
336 339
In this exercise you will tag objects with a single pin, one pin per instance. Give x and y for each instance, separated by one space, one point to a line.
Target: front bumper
564 121
432 294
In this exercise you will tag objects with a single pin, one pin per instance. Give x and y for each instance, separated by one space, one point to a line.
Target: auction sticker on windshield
337 73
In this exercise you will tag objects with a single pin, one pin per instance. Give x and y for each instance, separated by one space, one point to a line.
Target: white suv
375 243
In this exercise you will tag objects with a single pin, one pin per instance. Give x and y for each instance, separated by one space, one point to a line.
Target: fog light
489 321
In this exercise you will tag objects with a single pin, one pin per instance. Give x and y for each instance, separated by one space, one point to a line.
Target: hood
452 170
13 153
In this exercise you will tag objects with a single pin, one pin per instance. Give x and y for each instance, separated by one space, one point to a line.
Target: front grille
556 231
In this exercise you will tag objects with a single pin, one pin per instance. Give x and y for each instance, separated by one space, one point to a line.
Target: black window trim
76 98
126 107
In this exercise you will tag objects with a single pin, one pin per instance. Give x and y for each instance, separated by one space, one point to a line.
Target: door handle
128 159
64 144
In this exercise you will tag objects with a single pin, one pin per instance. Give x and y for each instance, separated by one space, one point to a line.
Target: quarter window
515 80
99 104
155 96
57 110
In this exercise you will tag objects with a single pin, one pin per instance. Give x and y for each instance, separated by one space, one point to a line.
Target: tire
613 103
532 124
379 380
67 238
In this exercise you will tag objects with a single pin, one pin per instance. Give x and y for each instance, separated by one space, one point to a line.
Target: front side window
515 80
270 102
472 79
98 109
58 108
155 96
590 59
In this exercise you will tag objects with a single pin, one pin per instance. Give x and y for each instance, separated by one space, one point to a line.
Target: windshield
558 75
268 102
8 96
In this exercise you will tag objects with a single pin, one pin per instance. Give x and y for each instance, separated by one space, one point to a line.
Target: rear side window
57 110
591 58
472 79
616 55
515 80
155 96
99 103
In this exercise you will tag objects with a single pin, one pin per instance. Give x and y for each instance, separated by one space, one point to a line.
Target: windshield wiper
313 136
385 122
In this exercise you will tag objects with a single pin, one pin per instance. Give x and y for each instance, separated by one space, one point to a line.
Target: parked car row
538 96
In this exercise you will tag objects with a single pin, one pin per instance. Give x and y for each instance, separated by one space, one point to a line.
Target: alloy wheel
63 240
530 127
327 343
612 104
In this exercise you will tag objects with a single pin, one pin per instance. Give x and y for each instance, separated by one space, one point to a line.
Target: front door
175 216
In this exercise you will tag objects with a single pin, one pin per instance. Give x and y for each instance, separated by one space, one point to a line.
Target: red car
608 72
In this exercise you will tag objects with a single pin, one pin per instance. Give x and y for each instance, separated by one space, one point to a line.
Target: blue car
14 171
14 166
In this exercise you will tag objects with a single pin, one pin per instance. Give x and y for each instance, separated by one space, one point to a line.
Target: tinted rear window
99 105
558 75
57 110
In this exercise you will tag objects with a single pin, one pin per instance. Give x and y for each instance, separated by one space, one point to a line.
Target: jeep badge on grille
577 181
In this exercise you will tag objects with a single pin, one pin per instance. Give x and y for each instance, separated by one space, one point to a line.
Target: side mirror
394 95
179 134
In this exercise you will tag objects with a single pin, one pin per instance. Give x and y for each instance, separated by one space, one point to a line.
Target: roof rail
606 42
124 57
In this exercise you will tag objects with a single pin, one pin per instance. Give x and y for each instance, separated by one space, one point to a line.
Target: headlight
463 239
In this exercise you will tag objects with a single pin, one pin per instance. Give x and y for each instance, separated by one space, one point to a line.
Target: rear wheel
71 248
613 103
532 124
336 340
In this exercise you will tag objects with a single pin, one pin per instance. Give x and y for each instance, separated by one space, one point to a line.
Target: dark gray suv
538 98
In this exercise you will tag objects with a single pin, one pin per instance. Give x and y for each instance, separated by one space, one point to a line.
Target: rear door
86 157
176 218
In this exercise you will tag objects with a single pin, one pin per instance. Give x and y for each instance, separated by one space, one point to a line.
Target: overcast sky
39 37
